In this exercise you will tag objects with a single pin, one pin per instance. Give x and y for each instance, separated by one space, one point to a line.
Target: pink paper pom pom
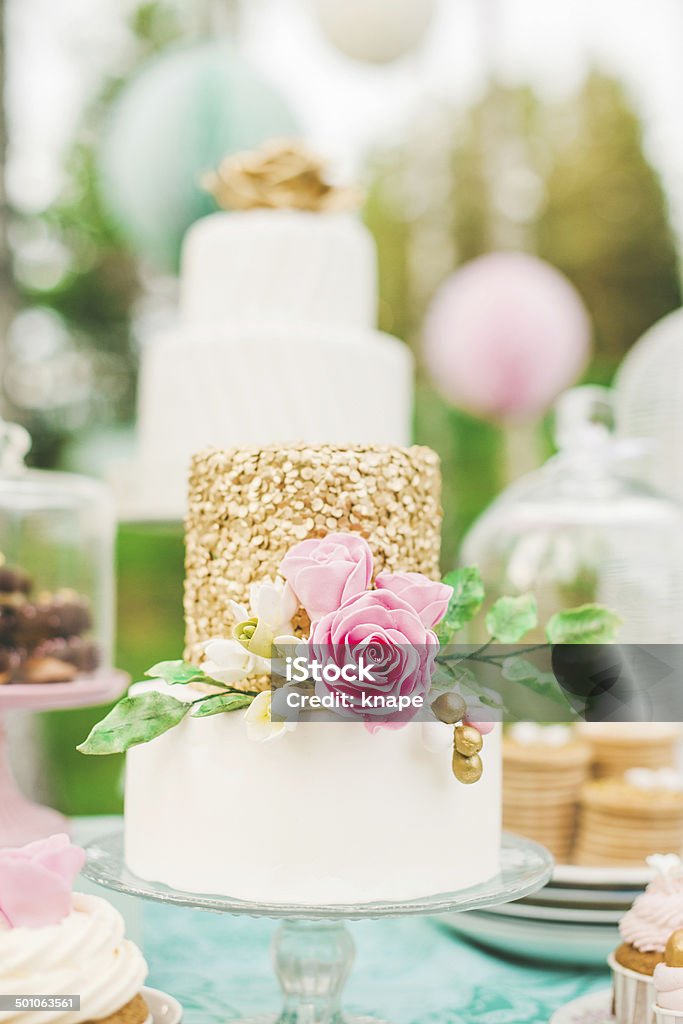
505 335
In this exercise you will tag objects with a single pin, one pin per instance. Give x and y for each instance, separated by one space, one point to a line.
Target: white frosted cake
329 814
278 302
341 810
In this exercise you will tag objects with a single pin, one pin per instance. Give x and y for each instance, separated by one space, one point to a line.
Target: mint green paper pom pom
180 115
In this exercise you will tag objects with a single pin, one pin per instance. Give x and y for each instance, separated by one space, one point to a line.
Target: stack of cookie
622 821
618 746
544 769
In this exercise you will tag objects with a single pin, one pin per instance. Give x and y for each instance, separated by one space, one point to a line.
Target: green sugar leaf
511 617
587 624
134 720
466 600
177 673
221 703
525 673
448 676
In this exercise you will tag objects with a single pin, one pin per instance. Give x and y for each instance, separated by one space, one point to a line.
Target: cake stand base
312 961
22 821
313 951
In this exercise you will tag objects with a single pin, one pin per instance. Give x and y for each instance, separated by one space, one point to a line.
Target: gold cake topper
279 175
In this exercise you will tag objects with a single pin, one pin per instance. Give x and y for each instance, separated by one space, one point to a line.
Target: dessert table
412 969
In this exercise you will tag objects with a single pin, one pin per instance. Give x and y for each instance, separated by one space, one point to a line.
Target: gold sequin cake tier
247 507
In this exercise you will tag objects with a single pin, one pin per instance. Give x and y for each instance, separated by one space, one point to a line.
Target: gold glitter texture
247 507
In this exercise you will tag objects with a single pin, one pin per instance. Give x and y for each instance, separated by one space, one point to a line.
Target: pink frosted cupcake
668 982
54 941
645 931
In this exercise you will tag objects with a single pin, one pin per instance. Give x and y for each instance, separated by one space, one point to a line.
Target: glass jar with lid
56 570
583 529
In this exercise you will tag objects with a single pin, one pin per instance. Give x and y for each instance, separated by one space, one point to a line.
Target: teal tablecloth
407 970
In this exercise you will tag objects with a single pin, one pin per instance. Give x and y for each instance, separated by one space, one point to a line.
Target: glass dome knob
584 416
15 444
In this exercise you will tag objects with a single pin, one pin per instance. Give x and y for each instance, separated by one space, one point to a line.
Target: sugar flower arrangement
404 621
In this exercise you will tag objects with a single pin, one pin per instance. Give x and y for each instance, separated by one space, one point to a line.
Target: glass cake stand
313 951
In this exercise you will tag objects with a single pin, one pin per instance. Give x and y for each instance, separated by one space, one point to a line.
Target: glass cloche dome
56 570
581 529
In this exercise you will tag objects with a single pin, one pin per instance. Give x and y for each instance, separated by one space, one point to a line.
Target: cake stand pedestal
313 950
22 821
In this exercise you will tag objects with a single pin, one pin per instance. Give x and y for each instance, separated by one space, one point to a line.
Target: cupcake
57 942
668 982
645 931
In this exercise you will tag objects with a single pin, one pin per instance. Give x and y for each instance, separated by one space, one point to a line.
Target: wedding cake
276 338
337 810
309 529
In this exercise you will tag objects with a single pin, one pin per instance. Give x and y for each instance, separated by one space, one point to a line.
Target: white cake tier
258 386
328 813
282 265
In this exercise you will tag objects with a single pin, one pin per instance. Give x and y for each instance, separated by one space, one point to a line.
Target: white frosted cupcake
668 982
645 931
56 942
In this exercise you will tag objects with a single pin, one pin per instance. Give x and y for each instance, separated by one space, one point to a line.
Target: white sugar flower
270 611
259 721
228 661
274 603
437 737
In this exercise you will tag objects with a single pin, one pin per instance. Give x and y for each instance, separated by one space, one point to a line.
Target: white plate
595 899
164 1008
595 1008
563 914
603 878
587 945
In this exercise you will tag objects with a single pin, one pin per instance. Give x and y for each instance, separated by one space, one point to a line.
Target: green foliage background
570 182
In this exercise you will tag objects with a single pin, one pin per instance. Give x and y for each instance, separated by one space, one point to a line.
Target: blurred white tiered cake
276 340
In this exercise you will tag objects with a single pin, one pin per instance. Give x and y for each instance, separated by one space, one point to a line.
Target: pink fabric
36 882
427 598
505 335
326 572
669 987
384 631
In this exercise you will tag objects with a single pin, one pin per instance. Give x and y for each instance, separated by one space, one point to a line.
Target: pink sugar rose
384 632
429 599
326 572
36 882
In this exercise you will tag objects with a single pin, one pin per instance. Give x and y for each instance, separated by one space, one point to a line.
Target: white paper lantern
376 31
649 402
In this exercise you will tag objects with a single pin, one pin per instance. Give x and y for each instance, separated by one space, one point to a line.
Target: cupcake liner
633 995
667 1016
